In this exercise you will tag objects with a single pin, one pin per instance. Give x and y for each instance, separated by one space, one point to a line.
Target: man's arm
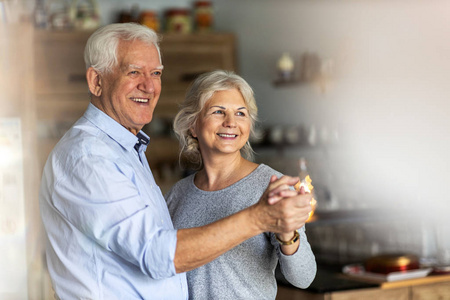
200 245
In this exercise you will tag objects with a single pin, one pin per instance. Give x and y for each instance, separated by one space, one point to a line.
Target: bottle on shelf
40 15
285 67
306 182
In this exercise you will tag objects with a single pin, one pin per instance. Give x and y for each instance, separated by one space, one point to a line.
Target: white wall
388 98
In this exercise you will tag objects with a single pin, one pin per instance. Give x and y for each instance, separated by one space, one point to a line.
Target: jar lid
177 12
202 3
148 13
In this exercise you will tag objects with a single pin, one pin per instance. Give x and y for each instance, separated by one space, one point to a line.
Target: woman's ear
192 130
94 81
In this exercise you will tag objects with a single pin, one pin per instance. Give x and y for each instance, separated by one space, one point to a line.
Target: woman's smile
227 135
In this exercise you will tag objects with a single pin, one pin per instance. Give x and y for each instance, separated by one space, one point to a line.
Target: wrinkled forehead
137 54
136 45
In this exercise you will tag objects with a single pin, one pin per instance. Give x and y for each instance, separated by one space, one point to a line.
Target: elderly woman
213 126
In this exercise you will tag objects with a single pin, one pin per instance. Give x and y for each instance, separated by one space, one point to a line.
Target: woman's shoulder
265 170
261 175
180 186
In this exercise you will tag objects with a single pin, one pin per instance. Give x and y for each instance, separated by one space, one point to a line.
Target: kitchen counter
330 279
331 284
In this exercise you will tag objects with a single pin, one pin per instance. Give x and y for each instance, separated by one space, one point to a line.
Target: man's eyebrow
131 66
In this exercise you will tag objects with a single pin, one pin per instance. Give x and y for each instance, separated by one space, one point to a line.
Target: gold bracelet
291 241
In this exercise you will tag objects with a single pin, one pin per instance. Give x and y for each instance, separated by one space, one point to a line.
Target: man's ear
94 81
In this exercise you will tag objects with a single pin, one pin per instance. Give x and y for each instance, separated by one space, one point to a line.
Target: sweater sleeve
299 268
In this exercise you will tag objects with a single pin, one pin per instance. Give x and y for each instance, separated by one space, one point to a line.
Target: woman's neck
223 171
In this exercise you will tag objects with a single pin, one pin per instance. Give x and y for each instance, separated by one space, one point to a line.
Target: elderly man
109 232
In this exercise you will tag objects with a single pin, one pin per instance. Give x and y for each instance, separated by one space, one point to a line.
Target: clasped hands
282 208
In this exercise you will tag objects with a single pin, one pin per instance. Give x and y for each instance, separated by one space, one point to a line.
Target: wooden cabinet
59 63
61 91
437 291
285 293
372 294
185 57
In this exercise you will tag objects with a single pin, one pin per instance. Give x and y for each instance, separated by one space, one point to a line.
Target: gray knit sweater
246 271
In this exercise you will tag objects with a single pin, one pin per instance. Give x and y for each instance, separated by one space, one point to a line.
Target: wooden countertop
403 283
416 281
331 279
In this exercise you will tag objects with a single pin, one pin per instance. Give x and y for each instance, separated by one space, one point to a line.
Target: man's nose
147 85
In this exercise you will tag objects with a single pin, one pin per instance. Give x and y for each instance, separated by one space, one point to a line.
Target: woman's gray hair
201 90
101 48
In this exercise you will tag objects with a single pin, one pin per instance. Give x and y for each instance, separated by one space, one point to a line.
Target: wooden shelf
361 215
287 83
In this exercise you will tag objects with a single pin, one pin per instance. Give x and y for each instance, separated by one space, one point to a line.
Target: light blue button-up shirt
109 232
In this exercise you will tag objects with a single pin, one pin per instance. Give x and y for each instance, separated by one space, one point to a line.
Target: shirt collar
115 130
143 141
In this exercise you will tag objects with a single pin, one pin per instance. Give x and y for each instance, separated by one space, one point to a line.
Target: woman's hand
283 191
287 209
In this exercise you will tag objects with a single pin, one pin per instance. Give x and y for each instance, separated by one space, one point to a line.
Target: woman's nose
229 121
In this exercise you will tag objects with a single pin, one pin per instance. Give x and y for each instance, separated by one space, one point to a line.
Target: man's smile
140 100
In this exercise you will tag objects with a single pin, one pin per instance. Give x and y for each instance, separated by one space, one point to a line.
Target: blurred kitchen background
357 88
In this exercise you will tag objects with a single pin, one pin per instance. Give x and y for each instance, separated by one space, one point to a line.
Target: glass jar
203 16
150 19
306 183
178 21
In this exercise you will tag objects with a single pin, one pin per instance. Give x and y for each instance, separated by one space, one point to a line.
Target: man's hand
280 209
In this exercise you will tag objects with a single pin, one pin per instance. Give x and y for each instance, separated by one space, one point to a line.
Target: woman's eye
240 113
217 112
